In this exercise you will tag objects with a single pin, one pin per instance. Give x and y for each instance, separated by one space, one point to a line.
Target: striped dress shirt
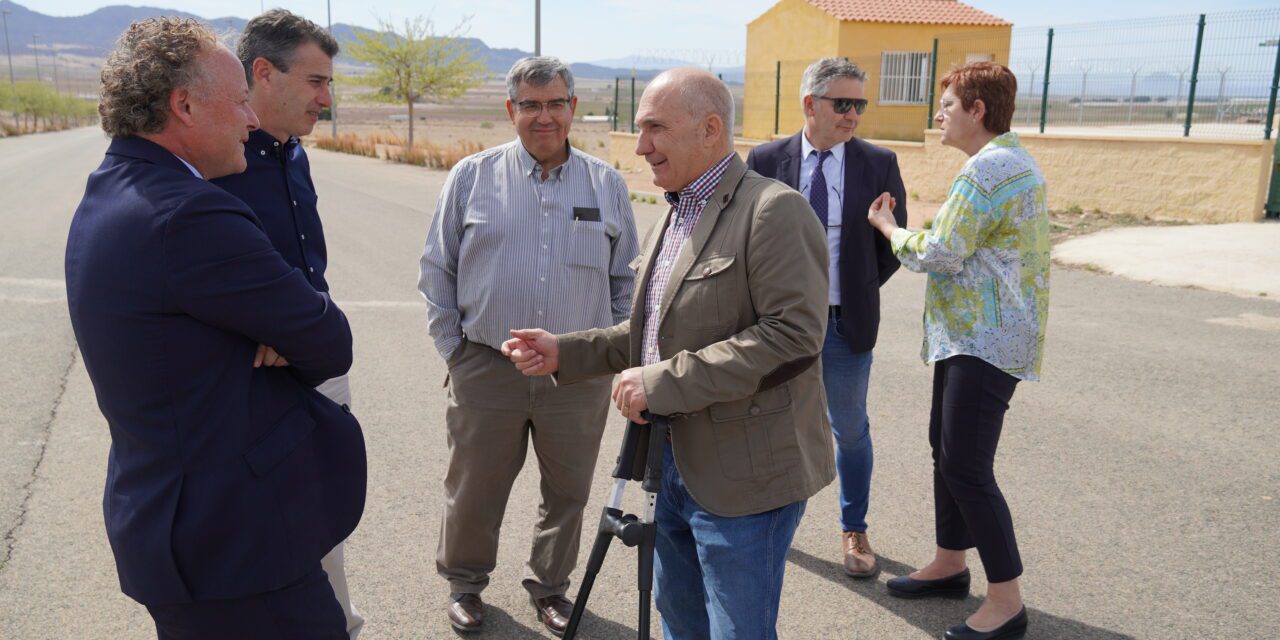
509 250
687 206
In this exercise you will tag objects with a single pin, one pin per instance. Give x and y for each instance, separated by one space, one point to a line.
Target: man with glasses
530 233
841 176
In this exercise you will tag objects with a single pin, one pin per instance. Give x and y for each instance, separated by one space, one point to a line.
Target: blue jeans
718 577
845 375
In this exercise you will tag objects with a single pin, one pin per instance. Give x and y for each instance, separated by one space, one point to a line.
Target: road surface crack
28 488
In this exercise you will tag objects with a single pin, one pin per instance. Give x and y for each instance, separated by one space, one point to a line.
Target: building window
904 77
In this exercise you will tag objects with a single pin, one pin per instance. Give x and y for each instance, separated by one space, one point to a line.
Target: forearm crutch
640 459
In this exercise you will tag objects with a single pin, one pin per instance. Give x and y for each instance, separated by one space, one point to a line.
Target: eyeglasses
534 108
843 105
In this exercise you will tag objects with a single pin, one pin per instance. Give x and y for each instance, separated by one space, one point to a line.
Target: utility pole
4 15
36 53
537 27
333 86
56 88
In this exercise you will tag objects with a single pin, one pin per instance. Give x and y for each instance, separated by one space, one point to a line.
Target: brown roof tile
909 11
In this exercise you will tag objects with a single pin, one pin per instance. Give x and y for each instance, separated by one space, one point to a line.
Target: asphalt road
1143 472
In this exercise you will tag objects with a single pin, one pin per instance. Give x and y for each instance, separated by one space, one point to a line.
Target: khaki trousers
339 390
494 411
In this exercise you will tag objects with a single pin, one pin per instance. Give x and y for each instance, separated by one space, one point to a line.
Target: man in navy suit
841 176
226 482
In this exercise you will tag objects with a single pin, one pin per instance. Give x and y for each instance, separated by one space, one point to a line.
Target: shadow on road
934 616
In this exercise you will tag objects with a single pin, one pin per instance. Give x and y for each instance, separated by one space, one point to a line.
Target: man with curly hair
226 483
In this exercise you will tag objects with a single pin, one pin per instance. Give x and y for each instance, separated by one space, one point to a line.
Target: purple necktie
818 189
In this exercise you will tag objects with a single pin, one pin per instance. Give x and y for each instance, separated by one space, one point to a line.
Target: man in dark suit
841 176
226 482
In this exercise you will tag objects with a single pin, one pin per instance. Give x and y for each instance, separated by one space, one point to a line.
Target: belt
833 311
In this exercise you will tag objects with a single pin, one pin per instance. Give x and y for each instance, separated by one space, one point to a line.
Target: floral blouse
987 255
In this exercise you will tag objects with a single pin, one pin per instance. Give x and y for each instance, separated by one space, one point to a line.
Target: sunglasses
843 105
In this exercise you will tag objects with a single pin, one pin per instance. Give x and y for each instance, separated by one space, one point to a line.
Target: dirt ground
479 116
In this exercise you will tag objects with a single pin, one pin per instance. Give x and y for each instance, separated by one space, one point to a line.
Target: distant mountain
93 35
648 65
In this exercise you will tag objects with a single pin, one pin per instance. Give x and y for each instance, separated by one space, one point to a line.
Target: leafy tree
413 63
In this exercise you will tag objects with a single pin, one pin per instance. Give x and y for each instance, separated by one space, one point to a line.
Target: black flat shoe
1015 628
955 586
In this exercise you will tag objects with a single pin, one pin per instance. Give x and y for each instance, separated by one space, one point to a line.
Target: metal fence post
617 82
933 81
1044 94
1195 74
633 104
777 96
1275 86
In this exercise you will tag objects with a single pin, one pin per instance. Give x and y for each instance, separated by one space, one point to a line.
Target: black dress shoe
1014 628
955 586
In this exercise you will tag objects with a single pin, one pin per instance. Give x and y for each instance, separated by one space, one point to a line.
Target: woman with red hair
986 302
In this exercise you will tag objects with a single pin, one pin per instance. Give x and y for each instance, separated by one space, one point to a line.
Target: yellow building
892 40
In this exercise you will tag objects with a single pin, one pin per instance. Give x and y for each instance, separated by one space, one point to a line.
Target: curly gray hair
151 59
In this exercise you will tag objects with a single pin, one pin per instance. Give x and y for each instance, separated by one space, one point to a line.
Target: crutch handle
631 440
658 427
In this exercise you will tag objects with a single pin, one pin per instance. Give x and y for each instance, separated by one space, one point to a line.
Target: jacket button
755 410
706 270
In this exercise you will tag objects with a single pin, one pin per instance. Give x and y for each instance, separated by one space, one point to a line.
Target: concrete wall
1192 180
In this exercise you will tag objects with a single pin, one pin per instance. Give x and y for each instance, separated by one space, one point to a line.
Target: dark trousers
970 397
304 610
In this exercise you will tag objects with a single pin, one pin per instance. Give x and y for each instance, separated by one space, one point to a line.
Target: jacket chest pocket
589 245
708 293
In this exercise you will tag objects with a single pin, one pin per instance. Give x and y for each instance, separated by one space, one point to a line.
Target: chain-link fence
1208 76
626 100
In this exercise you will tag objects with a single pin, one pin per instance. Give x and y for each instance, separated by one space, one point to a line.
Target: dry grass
347 143
392 148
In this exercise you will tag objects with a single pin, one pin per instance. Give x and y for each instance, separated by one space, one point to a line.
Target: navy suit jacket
223 480
866 258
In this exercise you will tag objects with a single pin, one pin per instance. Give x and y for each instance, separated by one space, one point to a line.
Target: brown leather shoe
859 559
466 611
554 612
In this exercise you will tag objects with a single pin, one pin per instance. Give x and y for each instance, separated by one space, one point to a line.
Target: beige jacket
743 320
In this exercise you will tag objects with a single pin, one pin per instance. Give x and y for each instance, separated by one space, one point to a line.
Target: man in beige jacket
726 327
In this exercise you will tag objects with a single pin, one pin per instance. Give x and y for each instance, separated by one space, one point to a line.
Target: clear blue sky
586 30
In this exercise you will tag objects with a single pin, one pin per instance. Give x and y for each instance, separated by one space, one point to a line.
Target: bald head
700 93
685 119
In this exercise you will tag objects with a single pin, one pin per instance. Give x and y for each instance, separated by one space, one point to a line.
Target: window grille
904 77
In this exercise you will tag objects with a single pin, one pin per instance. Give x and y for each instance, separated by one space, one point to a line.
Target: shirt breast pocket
707 294
589 245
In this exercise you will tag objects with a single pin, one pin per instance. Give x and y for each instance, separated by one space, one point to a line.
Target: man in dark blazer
226 482
841 176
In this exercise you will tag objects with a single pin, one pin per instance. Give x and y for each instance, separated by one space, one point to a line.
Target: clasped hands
537 353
